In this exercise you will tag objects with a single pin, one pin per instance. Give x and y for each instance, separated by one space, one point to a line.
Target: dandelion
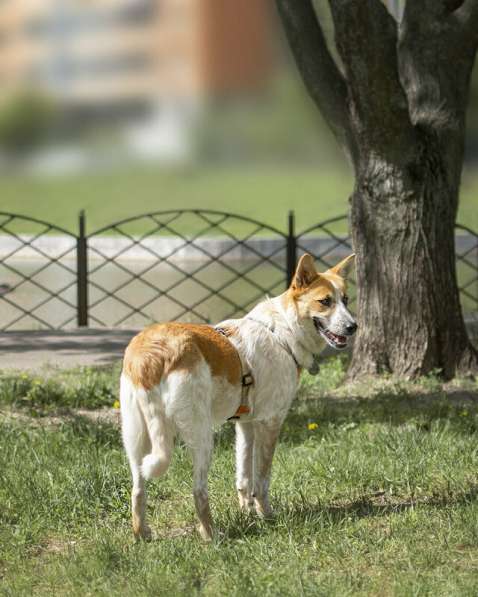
312 426
116 404
464 413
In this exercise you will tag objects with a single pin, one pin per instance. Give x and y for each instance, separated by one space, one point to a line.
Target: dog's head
320 302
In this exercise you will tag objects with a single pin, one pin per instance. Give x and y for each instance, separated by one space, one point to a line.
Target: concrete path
68 349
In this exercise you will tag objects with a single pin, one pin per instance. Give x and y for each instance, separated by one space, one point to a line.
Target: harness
247 380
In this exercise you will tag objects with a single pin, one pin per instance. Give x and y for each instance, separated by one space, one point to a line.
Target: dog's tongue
339 339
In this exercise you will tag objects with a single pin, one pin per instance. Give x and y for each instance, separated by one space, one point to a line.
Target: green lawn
265 194
379 498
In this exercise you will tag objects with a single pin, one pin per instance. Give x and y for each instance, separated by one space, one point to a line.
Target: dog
182 379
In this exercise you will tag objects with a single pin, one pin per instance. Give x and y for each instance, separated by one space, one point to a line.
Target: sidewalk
68 349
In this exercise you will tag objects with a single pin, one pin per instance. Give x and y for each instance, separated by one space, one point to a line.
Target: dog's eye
327 301
345 300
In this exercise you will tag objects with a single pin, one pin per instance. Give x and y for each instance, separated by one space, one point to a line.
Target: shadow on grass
367 506
379 504
458 409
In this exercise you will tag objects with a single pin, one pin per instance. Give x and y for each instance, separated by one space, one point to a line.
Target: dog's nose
351 328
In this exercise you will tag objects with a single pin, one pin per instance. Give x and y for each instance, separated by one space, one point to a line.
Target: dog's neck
284 324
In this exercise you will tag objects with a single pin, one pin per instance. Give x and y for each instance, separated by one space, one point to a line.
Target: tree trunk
397 103
402 220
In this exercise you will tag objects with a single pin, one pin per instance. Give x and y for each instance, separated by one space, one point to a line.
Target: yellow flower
312 426
464 413
116 404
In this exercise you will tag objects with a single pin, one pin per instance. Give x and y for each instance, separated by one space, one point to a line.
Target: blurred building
130 58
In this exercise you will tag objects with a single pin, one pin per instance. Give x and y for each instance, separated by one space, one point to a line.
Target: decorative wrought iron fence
196 265
38 274
466 251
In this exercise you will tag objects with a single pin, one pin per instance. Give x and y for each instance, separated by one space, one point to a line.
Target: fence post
291 248
82 272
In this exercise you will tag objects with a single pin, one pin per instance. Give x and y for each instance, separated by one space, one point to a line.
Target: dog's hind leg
191 413
265 440
244 473
198 436
137 444
201 462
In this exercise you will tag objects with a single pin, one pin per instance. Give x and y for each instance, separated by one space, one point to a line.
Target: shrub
25 120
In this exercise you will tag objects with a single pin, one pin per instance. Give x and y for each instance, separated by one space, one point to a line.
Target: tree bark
406 91
409 313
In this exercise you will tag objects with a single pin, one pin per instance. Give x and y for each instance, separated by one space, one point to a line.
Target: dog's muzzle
335 340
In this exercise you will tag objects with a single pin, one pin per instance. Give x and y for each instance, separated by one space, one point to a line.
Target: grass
378 498
266 194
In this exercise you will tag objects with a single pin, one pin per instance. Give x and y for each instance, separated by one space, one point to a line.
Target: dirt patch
102 415
53 545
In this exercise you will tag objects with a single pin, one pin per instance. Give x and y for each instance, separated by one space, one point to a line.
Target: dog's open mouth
336 341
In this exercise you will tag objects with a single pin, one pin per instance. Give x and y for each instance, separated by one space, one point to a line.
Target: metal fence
194 265
38 274
466 241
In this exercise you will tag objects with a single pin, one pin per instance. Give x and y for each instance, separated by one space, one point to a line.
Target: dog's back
163 348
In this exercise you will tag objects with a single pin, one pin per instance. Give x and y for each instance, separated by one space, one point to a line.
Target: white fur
191 403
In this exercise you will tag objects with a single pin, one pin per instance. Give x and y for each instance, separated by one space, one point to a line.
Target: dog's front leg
244 453
265 440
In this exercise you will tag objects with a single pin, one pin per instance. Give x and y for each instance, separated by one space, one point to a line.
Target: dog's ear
344 268
305 273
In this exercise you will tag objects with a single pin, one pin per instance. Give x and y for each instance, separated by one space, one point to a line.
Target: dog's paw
143 534
263 509
206 533
246 502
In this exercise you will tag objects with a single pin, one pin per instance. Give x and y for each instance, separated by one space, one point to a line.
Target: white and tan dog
185 378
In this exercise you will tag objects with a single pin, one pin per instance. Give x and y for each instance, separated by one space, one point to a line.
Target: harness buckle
247 380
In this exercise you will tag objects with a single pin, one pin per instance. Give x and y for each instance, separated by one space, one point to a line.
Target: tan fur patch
337 280
162 348
319 288
306 300
308 286
343 268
